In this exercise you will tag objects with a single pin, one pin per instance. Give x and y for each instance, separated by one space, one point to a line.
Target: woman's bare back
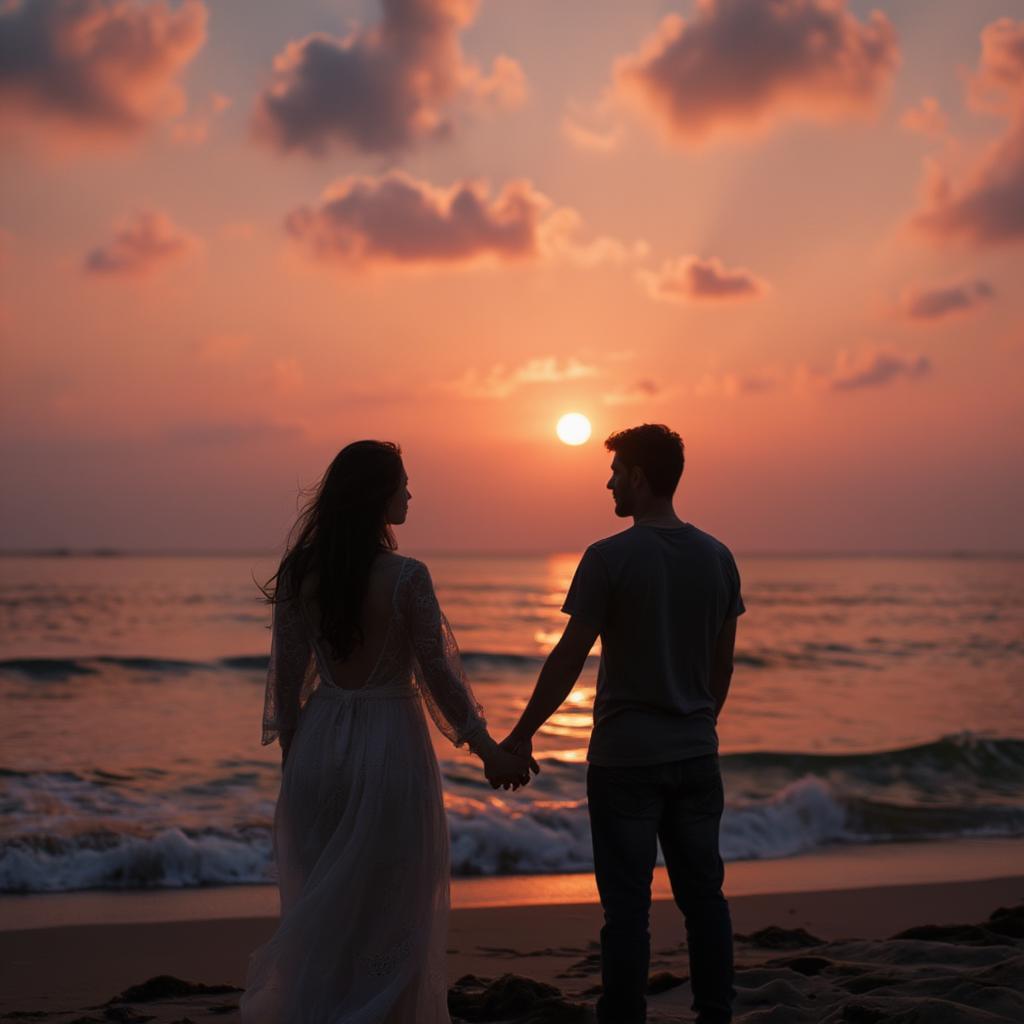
378 611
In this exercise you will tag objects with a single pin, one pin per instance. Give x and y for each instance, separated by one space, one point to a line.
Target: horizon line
108 552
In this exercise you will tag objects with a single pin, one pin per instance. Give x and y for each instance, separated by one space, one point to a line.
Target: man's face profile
621 487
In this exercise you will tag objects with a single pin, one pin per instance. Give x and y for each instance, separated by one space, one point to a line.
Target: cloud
195 129
873 368
987 206
936 303
107 68
396 220
559 240
140 245
692 279
733 385
997 84
381 89
743 65
868 368
591 139
637 393
500 381
927 118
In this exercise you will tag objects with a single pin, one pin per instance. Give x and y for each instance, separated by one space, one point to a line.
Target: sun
573 428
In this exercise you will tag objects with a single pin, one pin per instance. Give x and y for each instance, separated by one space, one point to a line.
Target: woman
360 835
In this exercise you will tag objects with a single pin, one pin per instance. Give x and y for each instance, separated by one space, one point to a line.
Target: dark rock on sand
774 937
513 999
1007 921
165 986
805 965
663 981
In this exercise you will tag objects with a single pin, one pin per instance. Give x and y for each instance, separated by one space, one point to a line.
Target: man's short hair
657 450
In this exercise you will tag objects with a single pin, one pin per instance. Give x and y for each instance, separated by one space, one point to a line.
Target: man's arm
557 678
721 663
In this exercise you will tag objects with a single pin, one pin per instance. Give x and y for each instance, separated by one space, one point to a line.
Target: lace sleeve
289 671
438 667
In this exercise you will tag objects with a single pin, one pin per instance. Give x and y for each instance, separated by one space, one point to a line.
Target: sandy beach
936 952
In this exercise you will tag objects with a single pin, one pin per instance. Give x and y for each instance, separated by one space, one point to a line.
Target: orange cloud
500 381
691 279
194 130
591 139
927 118
106 68
939 302
733 385
381 89
140 245
987 206
637 393
742 65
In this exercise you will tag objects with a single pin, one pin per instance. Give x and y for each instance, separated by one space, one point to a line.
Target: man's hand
505 770
523 747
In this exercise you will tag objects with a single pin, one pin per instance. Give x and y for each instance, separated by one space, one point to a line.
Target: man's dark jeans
631 808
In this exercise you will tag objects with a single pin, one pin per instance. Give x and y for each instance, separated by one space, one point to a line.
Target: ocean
875 700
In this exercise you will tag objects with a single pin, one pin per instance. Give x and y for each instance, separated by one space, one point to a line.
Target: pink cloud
742 65
380 89
692 279
874 368
140 245
936 303
105 68
195 129
987 205
363 221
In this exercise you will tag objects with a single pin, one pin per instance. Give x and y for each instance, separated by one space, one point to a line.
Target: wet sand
816 956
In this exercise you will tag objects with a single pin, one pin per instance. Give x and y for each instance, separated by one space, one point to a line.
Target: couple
360 836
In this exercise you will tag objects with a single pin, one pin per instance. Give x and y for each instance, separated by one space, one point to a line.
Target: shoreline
833 868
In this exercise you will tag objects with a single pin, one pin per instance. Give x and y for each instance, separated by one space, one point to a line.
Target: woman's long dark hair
339 532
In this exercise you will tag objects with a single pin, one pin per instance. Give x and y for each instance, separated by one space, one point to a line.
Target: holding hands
507 765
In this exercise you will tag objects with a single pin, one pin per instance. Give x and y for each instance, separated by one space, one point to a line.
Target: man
664 597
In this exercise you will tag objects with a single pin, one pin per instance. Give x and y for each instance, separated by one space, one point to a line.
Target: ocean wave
970 787
63 669
484 841
958 761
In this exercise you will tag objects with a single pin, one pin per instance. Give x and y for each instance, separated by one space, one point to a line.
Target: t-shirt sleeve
736 605
589 593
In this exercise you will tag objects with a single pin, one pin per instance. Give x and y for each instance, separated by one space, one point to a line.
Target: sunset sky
235 237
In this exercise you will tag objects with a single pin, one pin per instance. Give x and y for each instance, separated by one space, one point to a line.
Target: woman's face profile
397 508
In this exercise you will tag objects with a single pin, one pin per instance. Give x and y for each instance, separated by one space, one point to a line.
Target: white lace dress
360 835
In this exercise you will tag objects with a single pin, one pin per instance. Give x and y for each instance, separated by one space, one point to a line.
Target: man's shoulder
613 543
711 541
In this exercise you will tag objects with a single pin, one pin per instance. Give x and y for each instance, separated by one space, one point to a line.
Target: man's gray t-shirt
659 597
